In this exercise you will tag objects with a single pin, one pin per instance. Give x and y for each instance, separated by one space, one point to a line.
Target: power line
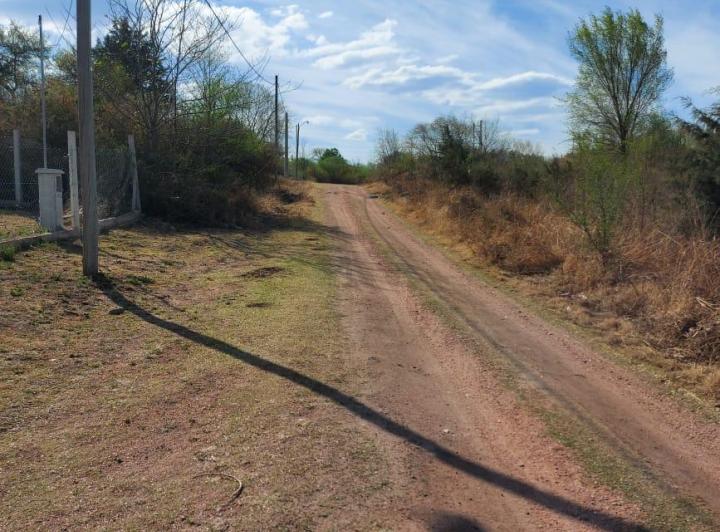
65 26
222 25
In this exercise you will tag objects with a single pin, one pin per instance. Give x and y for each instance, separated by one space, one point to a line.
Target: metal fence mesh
114 177
7 170
114 181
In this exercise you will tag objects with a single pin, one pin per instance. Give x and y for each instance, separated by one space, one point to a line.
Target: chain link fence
114 182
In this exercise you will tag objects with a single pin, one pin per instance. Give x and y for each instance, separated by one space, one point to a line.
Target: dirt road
466 453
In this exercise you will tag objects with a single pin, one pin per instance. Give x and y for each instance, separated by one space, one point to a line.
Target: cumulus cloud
325 14
255 36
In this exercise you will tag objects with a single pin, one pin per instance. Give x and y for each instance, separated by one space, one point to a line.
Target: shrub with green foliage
704 160
331 167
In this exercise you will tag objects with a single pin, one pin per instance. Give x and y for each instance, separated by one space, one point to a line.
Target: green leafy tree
622 74
19 51
704 163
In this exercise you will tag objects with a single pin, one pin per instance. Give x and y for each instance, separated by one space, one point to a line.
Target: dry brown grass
660 291
128 417
16 223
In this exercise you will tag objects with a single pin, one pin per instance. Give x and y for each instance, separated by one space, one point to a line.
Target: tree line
204 128
629 159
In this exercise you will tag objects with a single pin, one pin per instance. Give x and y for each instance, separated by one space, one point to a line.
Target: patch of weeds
138 280
7 252
261 273
258 305
665 510
17 291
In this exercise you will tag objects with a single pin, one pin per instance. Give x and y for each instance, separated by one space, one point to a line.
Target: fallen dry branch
235 494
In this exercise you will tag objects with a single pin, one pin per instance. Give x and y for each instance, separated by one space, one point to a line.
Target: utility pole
277 118
87 142
42 92
287 161
297 148
482 148
277 124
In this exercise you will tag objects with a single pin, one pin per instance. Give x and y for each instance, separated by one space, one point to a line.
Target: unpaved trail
466 455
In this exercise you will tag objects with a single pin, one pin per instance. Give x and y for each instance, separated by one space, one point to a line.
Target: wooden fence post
73 171
134 174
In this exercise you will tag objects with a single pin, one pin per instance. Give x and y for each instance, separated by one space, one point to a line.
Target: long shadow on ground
508 483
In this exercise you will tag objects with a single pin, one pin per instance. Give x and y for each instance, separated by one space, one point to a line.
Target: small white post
134 174
50 198
74 190
17 163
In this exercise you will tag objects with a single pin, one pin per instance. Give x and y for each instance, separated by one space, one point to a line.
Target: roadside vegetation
621 232
327 165
204 129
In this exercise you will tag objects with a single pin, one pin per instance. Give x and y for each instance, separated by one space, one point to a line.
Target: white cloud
285 11
509 106
357 135
255 36
373 43
447 59
523 77
325 14
403 74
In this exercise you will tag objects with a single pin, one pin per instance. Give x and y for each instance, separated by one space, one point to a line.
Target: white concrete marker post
74 189
50 198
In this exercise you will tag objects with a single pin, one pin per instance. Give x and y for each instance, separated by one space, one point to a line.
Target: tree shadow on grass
556 503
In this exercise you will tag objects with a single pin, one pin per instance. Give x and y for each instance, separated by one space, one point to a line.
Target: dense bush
203 132
330 166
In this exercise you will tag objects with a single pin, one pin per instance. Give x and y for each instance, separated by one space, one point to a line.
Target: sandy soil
466 454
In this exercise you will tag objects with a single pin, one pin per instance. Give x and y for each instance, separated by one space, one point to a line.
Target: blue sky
374 64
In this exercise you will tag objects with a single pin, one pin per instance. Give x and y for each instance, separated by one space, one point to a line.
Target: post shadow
556 503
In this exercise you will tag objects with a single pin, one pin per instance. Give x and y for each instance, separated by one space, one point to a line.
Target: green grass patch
664 510
7 252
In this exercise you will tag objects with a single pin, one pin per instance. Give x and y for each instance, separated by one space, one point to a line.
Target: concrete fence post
50 198
74 188
134 174
17 165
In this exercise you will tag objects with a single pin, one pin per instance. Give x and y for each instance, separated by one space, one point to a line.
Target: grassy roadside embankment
129 402
603 462
656 312
16 224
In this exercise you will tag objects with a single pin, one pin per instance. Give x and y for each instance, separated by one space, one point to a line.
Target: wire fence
114 180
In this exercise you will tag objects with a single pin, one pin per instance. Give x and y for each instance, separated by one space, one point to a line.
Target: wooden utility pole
87 142
297 149
287 161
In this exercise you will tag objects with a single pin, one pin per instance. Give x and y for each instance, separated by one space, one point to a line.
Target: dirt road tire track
642 424
471 455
